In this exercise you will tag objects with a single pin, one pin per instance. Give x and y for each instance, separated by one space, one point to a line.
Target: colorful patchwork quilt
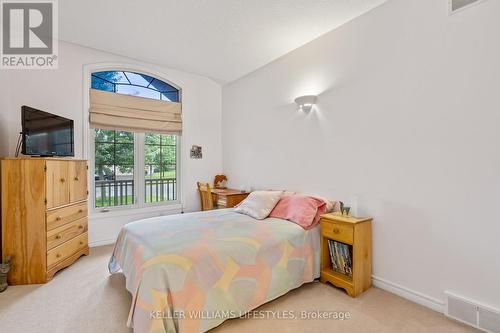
191 272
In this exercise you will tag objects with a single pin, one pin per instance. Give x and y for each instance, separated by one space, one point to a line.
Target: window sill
172 208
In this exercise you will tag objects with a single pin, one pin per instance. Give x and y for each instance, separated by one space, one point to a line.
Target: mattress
191 272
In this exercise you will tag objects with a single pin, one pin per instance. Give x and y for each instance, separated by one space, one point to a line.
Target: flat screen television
46 134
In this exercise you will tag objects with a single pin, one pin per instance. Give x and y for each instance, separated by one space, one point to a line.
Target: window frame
105 209
142 198
161 94
88 148
143 160
139 177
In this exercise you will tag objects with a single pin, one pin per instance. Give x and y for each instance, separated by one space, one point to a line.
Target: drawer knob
58 236
62 180
58 218
81 242
77 178
336 230
80 227
80 211
58 255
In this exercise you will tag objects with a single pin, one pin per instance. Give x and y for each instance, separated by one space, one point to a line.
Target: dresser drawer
222 201
339 232
61 216
66 232
67 249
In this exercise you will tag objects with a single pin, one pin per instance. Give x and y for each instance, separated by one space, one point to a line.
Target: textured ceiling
221 39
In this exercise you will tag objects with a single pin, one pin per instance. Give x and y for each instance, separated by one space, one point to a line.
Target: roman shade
114 111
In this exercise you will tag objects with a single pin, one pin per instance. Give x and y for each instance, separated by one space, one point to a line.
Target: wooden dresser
44 216
356 234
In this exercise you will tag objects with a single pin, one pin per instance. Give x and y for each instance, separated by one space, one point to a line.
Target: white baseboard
414 296
102 242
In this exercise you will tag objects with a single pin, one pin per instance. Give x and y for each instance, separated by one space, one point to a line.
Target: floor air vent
456 5
472 313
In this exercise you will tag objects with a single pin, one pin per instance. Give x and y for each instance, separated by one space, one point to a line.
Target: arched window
119 154
134 84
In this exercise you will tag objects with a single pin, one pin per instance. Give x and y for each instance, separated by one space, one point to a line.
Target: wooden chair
206 200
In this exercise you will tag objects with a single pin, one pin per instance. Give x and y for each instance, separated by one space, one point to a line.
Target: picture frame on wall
196 152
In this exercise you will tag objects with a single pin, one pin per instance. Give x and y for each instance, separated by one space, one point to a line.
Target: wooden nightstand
227 198
357 234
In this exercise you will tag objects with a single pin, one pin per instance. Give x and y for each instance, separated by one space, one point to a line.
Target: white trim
139 167
412 295
91 158
91 169
174 208
88 69
177 175
102 242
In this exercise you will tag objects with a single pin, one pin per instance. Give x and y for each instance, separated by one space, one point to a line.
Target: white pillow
330 204
259 204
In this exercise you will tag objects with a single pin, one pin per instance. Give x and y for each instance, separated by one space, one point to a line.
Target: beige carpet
85 298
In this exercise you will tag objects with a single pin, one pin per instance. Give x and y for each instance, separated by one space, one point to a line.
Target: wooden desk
227 198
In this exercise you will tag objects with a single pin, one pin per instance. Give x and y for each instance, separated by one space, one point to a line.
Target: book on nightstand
341 257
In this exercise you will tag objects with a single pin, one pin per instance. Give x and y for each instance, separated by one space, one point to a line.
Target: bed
191 272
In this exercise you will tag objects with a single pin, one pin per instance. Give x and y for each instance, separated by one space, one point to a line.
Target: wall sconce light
306 103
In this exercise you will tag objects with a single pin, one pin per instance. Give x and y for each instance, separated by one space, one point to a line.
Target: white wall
407 120
60 91
4 105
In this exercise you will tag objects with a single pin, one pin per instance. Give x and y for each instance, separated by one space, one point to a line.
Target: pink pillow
300 209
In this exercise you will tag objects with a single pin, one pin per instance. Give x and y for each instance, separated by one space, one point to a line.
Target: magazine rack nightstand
354 234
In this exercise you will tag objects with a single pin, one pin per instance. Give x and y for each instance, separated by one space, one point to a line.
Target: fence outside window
109 193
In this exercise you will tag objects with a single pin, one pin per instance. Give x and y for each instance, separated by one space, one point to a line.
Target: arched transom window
134 84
